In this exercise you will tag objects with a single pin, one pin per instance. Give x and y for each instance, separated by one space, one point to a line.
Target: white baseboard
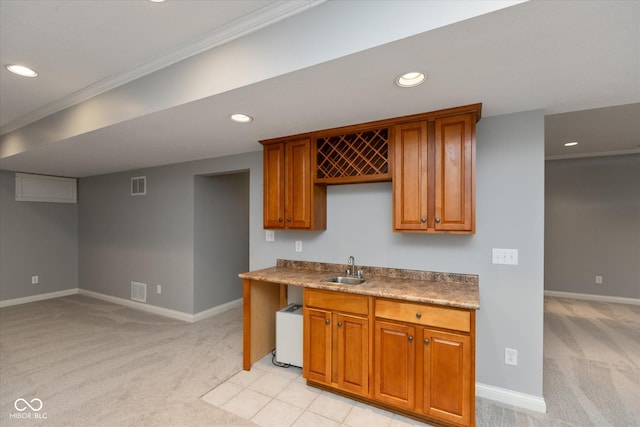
591 297
173 314
217 310
39 297
510 397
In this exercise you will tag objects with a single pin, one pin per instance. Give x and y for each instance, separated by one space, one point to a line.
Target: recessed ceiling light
241 118
571 144
21 70
411 79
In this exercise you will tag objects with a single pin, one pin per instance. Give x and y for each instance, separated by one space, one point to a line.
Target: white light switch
505 256
270 236
298 245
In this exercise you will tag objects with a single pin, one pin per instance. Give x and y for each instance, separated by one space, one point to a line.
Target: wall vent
138 185
139 291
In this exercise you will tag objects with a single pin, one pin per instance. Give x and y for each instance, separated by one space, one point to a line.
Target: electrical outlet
269 235
35 280
510 356
599 280
298 245
158 289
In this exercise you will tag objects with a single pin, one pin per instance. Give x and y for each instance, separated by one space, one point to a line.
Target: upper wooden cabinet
291 199
434 174
429 157
454 173
410 173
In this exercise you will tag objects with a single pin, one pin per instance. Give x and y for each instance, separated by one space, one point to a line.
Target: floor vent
139 186
139 291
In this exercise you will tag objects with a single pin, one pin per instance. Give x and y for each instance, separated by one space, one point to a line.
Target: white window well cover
44 188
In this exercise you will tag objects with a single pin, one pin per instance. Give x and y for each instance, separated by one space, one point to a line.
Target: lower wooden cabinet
422 356
317 345
395 364
423 370
336 343
446 376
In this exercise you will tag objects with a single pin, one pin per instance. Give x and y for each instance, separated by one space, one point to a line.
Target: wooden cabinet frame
430 161
434 174
414 358
291 199
337 341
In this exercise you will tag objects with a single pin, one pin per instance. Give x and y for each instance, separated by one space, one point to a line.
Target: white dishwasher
289 335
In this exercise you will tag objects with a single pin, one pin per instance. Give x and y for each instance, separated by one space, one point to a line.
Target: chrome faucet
352 270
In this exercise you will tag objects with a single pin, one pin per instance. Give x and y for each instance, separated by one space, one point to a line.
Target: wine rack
354 157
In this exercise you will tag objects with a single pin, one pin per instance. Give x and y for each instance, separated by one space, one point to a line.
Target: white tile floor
270 396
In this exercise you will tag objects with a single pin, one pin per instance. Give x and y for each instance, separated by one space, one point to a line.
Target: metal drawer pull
339 324
418 315
426 341
326 321
410 339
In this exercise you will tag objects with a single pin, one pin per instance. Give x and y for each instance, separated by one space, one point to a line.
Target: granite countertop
450 289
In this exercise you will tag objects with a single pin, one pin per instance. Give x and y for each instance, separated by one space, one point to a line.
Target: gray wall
36 238
221 238
148 239
592 216
151 239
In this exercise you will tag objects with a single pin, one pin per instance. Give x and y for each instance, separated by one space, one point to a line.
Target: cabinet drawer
423 314
336 301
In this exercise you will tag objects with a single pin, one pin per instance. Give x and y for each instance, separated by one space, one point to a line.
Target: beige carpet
93 363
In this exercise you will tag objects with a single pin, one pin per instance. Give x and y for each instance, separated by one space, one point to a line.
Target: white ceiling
561 57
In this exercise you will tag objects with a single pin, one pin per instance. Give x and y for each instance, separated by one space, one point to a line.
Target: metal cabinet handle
410 338
418 315
326 321
339 324
279 219
426 341
288 219
438 220
423 220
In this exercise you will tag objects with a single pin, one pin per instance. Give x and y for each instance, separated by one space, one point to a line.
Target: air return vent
139 291
138 185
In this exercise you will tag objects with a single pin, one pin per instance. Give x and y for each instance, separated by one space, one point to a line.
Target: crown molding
234 30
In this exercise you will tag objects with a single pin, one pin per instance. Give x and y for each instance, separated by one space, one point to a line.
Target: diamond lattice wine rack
354 157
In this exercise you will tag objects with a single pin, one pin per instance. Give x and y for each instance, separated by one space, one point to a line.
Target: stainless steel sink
345 280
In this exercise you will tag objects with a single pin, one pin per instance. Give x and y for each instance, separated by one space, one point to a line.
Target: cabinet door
352 359
394 370
447 376
274 190
454 181
317 345
299 184
410 177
